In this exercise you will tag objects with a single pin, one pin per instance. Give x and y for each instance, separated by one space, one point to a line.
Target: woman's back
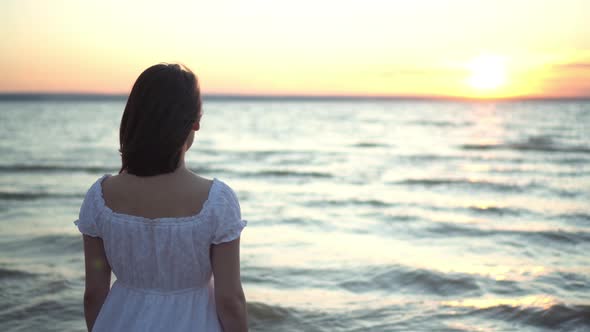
178 194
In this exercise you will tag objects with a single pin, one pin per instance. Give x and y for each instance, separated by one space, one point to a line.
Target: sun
487 73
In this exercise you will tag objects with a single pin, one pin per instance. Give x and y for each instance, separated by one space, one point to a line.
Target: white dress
162 266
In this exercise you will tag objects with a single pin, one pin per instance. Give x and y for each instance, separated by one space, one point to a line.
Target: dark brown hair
162 107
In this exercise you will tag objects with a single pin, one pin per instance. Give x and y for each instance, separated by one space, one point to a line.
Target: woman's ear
197 123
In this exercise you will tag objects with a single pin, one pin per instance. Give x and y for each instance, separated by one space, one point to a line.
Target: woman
170 236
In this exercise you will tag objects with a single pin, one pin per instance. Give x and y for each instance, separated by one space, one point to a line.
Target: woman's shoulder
95 190
229 222
222 190
108 185
91 210
218 188
197 181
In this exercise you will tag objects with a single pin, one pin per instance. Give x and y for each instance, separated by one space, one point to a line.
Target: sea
364 214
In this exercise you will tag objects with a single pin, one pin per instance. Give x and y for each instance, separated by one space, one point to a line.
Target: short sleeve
87 219
228 217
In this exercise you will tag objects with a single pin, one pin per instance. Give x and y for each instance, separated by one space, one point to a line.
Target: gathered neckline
153 220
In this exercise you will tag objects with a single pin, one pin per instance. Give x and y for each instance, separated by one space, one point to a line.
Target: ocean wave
574 174
428 158
496 210
261 155
574 161
282 171
267 172
43 245
287 173
556 316
262 312
568 281
402 278
403 217
540 237
480 184
14 274
40 168
59 242
482 210
266 317
285 277
370 145
348 202
26 168
248 153
29 196
43 309
470 184
441 123
533 143
575 218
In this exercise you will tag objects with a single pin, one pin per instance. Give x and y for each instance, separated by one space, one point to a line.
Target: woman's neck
181 163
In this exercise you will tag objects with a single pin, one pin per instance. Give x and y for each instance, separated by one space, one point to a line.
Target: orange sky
309 47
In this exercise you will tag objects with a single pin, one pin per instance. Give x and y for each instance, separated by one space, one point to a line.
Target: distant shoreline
78 97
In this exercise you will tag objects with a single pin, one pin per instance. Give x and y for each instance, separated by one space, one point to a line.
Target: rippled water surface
363 215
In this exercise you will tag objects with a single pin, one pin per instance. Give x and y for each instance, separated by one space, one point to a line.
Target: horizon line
93 96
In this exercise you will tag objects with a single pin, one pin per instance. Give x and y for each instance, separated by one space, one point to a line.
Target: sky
461 48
